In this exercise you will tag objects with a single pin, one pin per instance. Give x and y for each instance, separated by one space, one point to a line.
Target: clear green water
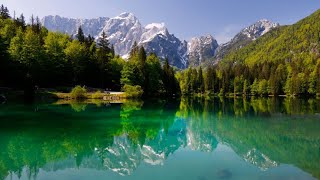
187 139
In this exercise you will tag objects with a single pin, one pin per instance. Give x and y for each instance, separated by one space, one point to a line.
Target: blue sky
184 18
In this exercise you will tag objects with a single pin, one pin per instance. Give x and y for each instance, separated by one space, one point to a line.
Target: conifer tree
20 21
4 12
103 43
103 57
80 35
134 49
201 81
32 21
112 50
142 57
38 25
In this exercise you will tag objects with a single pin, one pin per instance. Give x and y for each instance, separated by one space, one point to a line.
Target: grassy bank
91 95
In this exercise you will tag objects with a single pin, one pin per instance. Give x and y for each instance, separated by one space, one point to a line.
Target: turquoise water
187 139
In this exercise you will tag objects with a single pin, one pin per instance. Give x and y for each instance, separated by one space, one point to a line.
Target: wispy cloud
228 33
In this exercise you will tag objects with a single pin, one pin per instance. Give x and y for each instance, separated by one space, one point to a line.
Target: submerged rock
224 174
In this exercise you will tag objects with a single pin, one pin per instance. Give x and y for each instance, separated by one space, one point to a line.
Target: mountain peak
206 39
259 28
152 30
126 15
201 48
155 25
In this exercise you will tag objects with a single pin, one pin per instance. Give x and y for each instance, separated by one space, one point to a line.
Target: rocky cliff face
200 49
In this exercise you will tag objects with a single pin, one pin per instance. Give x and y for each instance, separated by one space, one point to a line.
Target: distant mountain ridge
125 29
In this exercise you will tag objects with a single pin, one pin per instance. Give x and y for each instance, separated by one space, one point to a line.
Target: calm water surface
179 140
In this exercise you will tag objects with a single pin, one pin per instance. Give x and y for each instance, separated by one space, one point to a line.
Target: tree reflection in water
265 132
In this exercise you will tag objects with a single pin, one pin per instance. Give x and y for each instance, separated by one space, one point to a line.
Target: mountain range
125 29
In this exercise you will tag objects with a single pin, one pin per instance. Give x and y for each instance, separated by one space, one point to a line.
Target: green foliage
170 83
54 45
78 92
50 59
196 81
75 52
116 64
146 72
200 83
238 85
255 87
16 46
133 91
284 61
32 50
97 95
131 74
263 87
246 87
153 75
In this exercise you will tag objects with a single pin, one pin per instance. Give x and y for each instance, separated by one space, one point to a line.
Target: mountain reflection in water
122 138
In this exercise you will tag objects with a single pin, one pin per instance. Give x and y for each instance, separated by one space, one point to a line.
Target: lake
264 138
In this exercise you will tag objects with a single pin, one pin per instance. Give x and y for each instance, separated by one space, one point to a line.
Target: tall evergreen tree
201 81
169 81
112 50
153 75
134 49
142 58
80 35
103 43
32 21
21 22
89 41
4 12
38 25
103 58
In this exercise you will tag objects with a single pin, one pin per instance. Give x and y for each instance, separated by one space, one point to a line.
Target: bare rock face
200 49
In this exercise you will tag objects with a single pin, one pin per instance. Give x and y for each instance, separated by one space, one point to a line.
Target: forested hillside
32 56
284 61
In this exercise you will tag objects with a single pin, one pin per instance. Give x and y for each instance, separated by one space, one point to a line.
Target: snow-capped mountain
200 49
243 38
71 25
123 31
157 39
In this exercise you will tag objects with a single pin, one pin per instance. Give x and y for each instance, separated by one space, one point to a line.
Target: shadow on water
265 132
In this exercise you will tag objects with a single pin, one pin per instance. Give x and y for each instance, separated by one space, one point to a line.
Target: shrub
132 91
78 92
97 95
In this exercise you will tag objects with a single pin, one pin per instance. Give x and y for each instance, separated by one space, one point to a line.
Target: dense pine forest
285 61
31 56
